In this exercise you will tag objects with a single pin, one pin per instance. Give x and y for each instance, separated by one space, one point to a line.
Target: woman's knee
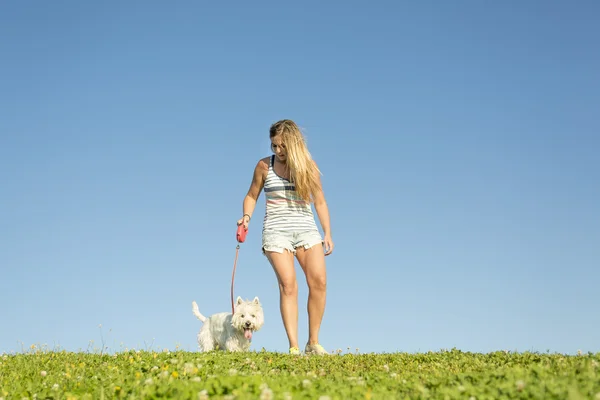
318 283
288 287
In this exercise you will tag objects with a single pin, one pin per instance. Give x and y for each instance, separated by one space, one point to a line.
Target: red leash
240 236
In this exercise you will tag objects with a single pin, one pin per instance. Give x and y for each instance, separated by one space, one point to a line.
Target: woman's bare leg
312 261
283 265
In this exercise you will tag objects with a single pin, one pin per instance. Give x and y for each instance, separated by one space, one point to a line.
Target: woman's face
279 148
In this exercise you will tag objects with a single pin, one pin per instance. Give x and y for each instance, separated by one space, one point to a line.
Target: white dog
230 332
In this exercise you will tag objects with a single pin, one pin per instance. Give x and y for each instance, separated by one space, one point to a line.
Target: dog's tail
196 312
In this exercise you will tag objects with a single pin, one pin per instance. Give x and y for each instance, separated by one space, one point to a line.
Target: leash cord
237 250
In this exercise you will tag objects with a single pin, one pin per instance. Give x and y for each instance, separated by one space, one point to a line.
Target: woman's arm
323 213
256 186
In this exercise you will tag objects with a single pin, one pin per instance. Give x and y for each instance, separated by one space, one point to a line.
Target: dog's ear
239 300
256 300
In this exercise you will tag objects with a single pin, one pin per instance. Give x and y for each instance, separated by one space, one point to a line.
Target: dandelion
174 374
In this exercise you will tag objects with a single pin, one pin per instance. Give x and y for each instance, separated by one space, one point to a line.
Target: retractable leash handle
240 235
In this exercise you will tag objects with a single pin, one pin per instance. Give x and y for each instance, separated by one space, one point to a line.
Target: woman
291 181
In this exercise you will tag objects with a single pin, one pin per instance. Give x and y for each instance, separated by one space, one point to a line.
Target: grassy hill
265 375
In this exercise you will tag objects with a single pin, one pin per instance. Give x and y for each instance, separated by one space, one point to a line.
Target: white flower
43 373
520 385
148 381
188 368
266 394
203 395
306 383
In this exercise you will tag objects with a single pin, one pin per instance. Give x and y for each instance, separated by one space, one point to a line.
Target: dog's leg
205 339
232 344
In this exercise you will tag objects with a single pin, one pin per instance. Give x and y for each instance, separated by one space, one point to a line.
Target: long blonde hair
303 171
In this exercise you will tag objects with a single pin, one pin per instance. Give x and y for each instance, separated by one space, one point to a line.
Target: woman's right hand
245 220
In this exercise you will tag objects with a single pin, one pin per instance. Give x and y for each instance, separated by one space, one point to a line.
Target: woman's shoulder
263 164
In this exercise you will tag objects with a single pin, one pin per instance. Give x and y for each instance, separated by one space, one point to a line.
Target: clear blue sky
458 142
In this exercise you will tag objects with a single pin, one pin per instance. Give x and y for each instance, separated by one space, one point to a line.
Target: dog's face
248 316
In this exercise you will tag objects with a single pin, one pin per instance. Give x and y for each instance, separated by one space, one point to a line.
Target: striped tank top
285 210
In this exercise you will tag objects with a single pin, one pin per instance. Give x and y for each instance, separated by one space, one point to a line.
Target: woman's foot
315 349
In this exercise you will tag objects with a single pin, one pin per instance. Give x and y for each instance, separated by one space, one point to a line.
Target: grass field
448 374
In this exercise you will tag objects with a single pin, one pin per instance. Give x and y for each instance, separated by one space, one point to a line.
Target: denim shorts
278 241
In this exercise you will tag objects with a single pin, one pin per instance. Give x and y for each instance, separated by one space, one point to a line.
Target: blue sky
457 140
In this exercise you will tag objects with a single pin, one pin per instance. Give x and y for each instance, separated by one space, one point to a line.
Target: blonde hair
303 171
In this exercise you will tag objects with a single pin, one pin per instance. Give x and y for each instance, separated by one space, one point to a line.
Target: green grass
450 374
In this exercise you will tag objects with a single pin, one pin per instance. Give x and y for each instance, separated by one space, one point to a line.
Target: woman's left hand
328 245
